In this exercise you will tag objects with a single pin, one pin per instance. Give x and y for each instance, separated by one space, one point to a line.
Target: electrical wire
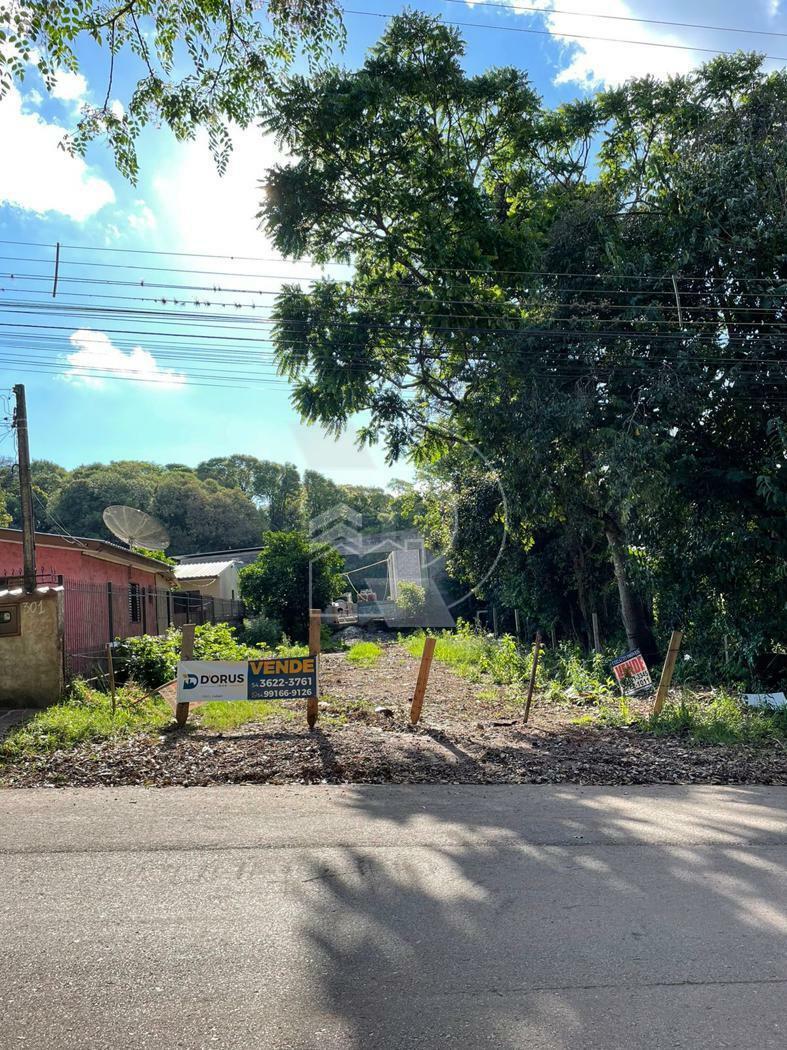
615 18
570 36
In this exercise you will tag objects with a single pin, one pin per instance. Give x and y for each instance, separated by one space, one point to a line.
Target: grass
472 655
85 714
722 719
364 654
223 716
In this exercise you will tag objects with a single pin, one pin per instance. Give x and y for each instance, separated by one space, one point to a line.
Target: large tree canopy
199 63
592 295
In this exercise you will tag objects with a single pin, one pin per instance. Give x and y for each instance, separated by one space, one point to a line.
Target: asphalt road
520 918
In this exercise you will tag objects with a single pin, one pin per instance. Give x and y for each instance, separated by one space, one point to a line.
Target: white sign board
774 701
214 680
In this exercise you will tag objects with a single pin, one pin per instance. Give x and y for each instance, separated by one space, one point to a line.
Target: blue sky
181 205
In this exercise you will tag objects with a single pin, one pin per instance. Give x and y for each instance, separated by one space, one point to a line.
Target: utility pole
25 490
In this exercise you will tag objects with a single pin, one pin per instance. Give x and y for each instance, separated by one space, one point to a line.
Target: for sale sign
291 678
212 680
632 674
271 678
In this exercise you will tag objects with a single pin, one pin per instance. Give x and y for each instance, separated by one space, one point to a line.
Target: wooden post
667 671
533 669
111 674
517 624
423 677
494 620
186 653
553 634
596 634
315 622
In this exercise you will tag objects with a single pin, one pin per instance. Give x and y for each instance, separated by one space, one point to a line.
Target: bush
261 630
277 583
152 660
411 601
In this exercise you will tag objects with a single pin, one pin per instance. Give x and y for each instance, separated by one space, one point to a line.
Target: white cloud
69 87
635 48
94 352
43 177
142 219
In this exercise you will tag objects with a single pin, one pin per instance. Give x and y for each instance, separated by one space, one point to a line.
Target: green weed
86 714
223 716
364 654
722 719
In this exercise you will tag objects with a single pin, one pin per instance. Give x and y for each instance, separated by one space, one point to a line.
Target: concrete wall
404 567
225 585
31 662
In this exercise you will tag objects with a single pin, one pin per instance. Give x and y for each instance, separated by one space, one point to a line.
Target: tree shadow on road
494 923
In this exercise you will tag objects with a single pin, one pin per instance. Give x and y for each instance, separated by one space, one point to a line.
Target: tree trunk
638 632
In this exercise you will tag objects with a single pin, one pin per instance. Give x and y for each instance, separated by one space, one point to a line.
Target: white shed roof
201 570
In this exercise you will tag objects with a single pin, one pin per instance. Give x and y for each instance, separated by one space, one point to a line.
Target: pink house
110 591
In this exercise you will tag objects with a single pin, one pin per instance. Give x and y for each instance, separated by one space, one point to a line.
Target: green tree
513 287
274 487
79 502
189 64
204 516
46 477
277 583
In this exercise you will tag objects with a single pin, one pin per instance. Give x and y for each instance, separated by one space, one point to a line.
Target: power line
616 18
479 270
571 36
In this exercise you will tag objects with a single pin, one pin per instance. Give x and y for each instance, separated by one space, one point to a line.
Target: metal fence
95 614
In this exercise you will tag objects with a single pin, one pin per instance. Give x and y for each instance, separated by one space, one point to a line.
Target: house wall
94 615
77 564
225 585
32 662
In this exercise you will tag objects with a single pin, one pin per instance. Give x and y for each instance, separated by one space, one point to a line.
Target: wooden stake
517 624
315 622
423 677
596 634
186 653
533 669
667 672
494 621
111 674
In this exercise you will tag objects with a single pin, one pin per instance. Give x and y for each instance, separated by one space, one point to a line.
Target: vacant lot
471 732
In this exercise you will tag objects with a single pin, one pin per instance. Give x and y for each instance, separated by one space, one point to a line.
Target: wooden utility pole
25 490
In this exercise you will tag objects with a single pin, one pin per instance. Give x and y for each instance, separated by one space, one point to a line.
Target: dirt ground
469 733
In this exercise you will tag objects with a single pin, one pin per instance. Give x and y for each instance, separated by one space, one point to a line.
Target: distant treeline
228 501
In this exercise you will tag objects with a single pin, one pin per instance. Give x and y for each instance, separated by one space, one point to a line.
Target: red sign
632 673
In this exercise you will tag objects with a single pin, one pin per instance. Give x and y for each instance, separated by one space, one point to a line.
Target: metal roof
200 570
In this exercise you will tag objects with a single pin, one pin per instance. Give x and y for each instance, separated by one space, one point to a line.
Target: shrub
277 583
411 601
152 660
261 630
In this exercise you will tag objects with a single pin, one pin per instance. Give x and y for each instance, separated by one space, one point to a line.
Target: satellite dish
136 528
